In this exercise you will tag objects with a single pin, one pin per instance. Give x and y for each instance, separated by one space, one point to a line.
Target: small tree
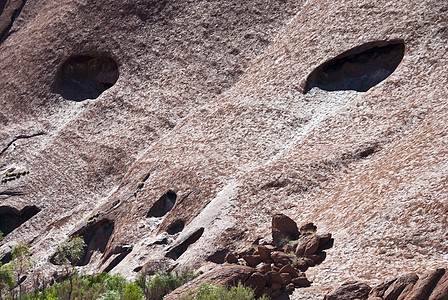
6 278
21 262
69 254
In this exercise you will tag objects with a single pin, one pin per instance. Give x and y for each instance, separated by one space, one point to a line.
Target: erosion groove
359 69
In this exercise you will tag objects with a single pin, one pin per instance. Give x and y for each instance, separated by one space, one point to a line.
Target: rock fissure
22 136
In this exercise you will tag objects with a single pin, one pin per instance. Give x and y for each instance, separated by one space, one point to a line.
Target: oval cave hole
359 68
162 206
178 250
96 237
175 227
11 218
86 76
138 269
6 258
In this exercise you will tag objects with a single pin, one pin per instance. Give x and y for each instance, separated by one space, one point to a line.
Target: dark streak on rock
19 137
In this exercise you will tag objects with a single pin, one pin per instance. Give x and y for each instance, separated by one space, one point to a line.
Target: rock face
333 112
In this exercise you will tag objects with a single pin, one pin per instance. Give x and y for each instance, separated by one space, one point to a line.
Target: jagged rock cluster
432 286
273 267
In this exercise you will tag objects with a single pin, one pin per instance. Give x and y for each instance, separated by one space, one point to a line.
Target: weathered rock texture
209 104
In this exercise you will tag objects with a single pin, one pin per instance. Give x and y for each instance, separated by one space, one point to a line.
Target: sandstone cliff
165 131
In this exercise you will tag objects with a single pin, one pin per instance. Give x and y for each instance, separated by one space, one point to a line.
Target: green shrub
210 292
115 283
133 292
110 295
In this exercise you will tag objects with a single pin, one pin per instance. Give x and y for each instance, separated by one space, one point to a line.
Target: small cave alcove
86 76
11 218
359 68
96 237
162 206
178 250
175 227
2 6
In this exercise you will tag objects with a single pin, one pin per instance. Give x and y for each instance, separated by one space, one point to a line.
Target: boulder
350 291
286 277
252 260
264 268
285 224
309 262
308 228
264 252
307 245
289 270
276 286
281 258
289 288
231 258
257 282
274 277
324 239
301 265
301 281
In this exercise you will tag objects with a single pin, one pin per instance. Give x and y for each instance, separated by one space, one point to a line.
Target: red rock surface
209 105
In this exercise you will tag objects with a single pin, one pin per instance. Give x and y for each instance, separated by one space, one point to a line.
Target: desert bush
211 292
133 292
162 283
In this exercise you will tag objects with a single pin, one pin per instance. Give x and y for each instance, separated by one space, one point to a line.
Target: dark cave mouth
359 68
86 76
12 218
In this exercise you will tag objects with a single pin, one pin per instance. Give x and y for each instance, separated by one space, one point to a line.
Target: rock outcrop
270 269
432 285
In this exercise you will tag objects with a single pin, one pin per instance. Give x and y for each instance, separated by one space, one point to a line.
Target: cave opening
175 227
96 237
359 68
86 76
11 218
180 249
162 206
